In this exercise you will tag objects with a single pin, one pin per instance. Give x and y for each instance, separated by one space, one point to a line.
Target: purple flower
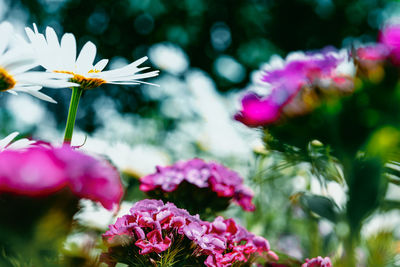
219 179
40 171
318 262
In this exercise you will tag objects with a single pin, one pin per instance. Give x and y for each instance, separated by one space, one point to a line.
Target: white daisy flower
16 59
60 57
7 144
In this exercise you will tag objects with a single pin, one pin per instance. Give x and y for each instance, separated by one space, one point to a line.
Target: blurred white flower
218 133
388 221
27 112
61 58
95 216
16 59
138 160
7 144
230 69
169 57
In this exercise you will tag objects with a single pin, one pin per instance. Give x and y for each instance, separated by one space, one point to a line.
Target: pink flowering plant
336 111
200 187
158 234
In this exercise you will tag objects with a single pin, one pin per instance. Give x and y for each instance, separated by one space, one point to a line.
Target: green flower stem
73 108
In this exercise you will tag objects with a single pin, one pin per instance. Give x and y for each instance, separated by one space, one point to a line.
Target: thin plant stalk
73 108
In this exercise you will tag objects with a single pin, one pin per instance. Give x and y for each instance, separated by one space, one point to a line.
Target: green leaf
367 187
322 206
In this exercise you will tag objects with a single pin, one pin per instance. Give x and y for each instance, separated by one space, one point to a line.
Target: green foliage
322 206
381 249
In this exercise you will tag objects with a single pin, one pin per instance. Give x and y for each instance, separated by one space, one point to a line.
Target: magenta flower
41 171
154 243
318 262
390 37
285 79
258 111
152 229
212 177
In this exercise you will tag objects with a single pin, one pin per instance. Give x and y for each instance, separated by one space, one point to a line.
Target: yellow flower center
86 83
6 80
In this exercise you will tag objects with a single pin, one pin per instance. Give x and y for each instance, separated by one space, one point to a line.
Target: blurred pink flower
284 79
219 179
40 171
318 262
375 52
390 37
258 111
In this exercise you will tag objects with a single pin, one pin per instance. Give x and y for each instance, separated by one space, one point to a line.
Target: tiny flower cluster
318 262
295 85
40 171
155 227
241 245
212 176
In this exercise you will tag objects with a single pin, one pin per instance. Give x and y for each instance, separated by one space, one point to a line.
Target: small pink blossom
372 53
258 111
318 262
154 243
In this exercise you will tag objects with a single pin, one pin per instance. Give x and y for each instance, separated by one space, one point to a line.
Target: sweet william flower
318 262
184 239
215 183
16 60
60 57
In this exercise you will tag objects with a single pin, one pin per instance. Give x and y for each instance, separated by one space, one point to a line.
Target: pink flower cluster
153 226
240 244
286 78
318 262
224 182
41 171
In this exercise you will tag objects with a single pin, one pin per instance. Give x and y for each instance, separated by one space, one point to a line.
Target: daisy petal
84 63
